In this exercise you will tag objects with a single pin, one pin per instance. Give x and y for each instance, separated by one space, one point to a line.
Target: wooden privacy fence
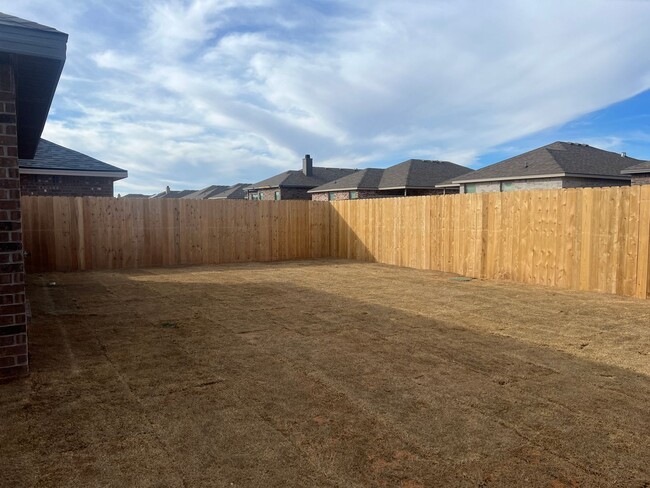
74 233
585 239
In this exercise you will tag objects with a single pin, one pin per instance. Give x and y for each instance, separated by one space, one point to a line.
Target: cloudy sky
189 93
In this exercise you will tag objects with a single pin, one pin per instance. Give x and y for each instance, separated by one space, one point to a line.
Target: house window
254 196
260 196
507 186
277 195
470 188
331 196
354 195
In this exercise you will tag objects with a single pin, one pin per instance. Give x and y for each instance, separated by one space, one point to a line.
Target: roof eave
116 175
635 171
37 58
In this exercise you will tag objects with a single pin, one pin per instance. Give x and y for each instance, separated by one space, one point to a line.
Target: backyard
326 373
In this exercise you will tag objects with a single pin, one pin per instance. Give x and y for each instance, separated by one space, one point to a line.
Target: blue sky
189 93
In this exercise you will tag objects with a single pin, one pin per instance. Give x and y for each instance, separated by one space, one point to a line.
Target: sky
190 93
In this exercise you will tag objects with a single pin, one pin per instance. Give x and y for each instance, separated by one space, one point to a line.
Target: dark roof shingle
11 21
206 193
235 192
412 174
298 179
643 167
558 158
52 156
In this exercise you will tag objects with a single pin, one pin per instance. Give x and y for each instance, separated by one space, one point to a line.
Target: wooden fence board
588 239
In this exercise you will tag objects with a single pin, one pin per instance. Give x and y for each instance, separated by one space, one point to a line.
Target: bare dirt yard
324 374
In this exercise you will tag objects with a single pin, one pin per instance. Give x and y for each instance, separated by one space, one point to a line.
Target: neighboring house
58 171
557 165
134 195
294 185
234 192
206 193
169 193
31 61
640 173
414 177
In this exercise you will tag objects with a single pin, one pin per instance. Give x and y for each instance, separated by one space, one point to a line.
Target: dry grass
326 374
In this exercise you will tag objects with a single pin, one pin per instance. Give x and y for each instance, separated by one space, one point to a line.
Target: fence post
643 256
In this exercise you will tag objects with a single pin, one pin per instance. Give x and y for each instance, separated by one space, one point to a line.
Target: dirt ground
326 373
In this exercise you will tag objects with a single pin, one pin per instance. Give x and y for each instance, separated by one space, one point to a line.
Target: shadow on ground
283 375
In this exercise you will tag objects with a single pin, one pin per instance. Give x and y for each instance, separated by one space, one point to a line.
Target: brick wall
69 186
365 194
13 328
285 193
641 179
592 183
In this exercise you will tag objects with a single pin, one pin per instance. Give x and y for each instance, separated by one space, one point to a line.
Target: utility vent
624 155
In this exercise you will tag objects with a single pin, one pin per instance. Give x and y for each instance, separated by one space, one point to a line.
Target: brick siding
13 321
285 193
366 194
69 186
543 184
641 179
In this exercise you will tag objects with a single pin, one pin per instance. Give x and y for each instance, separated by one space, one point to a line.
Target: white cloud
218 91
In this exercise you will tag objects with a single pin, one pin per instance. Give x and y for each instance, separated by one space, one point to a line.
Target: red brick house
31 61
58 171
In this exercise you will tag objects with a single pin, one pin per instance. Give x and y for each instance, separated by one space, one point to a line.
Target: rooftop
556 159
60 159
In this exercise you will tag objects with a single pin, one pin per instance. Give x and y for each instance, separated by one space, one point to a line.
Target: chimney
167 190
307 165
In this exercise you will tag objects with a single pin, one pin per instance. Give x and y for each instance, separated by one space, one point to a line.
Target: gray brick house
640 173
556 165
295 184
414 177
55 170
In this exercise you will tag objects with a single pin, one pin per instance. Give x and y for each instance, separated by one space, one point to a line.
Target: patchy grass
326 373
